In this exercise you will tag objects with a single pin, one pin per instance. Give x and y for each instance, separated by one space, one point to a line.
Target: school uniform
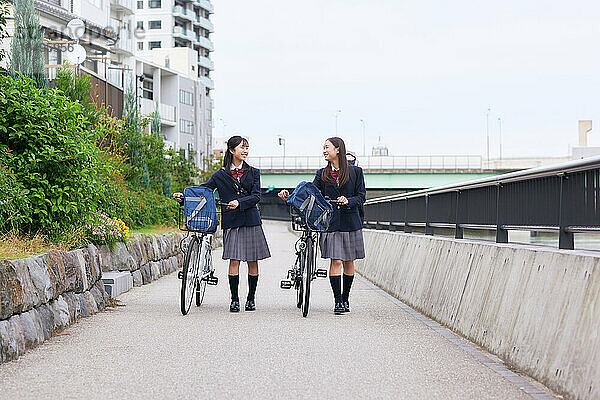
243 236
344 239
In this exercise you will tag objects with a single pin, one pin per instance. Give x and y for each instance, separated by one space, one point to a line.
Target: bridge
383 174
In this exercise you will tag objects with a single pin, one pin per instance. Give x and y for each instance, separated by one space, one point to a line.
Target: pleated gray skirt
345 246
246 243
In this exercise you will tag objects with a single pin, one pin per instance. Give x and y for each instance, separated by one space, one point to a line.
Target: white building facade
174 36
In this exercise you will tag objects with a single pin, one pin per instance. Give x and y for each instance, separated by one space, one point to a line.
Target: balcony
205 23
183 33
206 63
124 45
168 114
205 42
206 4
184 13
124 6
206 81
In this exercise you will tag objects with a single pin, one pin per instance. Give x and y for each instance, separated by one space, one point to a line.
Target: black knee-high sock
234 281
347 285
252 281
336 286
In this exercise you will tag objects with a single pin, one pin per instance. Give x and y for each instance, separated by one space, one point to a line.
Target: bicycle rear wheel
204 268
308 273
190 275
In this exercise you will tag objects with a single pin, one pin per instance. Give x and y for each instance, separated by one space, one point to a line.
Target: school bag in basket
311 205
200 209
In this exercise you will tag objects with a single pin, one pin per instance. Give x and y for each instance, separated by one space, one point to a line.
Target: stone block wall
41 295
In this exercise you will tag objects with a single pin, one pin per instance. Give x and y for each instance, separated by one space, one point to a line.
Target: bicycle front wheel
300 281
307 276
189 275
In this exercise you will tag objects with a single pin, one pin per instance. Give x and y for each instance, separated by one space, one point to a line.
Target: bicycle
304 270
198 269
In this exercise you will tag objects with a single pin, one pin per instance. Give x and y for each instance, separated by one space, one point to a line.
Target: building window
140 4
154 4
155 24
140 45
186 97
186 126
148 89
140 25
154 45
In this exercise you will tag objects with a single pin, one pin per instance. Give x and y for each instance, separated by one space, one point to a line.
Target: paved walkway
147 349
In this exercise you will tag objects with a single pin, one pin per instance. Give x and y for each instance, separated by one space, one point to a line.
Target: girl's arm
211 183
254 197
360 193
318 182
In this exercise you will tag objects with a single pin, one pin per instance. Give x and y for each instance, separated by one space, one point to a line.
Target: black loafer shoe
234 306
346 306
250 306
338 309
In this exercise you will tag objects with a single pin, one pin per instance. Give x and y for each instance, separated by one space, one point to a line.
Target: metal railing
563 198
416 163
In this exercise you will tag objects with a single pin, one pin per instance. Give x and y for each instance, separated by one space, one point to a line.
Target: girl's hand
283 194
343 200
233 204
178 197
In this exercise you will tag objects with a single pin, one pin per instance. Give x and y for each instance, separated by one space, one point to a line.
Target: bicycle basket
199 212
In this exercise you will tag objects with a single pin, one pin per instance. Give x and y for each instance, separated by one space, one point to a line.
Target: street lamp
281 142
141 79
337 113
364 127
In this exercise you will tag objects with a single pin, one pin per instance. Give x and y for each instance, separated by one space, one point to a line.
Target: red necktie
237 173
335 174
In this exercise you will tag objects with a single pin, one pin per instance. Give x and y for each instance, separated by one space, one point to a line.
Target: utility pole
337 113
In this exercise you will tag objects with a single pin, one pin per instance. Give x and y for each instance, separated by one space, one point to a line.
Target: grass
156 229
13 245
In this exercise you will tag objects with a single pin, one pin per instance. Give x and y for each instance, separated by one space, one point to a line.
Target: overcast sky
420 73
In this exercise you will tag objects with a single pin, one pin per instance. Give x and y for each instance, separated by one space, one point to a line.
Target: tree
26 47
155 125
4 11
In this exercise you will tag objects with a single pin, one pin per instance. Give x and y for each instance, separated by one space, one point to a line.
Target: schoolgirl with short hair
343 242
243 238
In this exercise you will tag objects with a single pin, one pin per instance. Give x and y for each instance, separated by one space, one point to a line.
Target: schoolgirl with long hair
238 185
343 242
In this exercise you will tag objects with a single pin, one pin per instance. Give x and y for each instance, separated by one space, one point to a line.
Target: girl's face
330 152
240 152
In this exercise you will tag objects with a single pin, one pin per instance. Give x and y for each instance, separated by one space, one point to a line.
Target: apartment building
174 36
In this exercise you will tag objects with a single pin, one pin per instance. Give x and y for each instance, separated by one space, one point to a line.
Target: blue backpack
311 205
200 209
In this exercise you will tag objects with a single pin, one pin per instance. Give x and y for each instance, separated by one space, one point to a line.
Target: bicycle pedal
321 273
180 275
212 280
286 284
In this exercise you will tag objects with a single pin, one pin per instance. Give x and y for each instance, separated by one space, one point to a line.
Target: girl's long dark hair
232 143
344 173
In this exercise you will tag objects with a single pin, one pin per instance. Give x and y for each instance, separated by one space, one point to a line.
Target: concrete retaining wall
537 308
41 295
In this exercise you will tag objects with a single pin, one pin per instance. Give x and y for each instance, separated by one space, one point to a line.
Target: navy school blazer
345 218
246 214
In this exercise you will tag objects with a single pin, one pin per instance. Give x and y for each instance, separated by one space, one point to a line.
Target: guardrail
563 198
417 163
